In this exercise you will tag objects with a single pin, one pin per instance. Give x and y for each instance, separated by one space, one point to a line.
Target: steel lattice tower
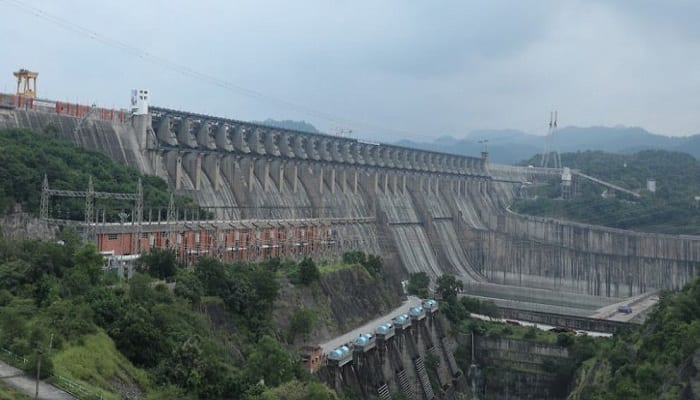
138 218
550 148
90 211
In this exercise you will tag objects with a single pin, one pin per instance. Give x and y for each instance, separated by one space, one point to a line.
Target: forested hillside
26 156
207 335
659 361
672 209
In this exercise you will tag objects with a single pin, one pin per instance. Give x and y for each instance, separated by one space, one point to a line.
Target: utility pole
137 219
171 219
38 367
89 211
44 213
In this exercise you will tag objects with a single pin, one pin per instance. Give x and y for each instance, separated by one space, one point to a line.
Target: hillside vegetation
672 209
209 331
26 156
659 361
210 337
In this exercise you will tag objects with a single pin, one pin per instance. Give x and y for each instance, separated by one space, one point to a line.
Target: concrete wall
437 213
516 369
549 253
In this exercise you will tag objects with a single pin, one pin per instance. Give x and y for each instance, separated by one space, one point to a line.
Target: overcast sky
389 69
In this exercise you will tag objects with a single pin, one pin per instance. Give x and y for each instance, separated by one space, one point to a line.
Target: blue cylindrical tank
401 319
384 329
339 353
416 311
429 304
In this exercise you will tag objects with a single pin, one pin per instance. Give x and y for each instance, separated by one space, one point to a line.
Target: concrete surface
640 304
20 381
370 326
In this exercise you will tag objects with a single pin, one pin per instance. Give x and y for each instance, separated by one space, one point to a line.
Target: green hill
26 156
659 361
672 209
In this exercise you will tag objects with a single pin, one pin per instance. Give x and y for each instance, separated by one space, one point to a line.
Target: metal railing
74 388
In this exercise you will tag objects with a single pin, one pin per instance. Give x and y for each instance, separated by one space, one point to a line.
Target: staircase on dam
383 392
406 387
393 360
423 378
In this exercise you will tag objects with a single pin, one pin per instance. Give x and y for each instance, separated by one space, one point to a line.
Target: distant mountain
512 146
289 124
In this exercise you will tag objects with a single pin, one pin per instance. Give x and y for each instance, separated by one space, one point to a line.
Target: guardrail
74 388
14 358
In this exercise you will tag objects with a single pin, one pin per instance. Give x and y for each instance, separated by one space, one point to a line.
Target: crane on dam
26 83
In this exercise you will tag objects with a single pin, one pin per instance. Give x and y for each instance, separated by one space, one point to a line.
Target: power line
189 72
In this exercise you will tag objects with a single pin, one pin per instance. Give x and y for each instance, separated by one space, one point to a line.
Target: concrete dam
431 212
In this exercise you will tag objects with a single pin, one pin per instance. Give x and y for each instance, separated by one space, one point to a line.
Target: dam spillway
433 212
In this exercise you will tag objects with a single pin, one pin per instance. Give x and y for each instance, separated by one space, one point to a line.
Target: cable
189 72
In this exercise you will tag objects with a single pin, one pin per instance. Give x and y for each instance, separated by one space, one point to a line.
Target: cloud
390 69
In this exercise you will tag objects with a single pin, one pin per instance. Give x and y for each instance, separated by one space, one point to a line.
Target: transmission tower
550 148
138 218
89 211
171 220
44 213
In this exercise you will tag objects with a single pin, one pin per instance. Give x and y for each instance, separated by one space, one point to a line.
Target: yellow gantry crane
26 83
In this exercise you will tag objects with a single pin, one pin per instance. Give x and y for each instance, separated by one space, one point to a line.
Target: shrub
308 271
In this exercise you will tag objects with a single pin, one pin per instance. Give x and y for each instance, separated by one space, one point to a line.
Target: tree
448 286
418 283
297 390
108 305
302 323
308 271
212 273
139 338
489 308
189 287
266 287
271 362
273 264
374 265
90 261
565 339
86 272
354 257
159 263
46 291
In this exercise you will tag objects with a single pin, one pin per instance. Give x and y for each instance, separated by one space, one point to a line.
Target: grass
95 363
335 267
9 393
